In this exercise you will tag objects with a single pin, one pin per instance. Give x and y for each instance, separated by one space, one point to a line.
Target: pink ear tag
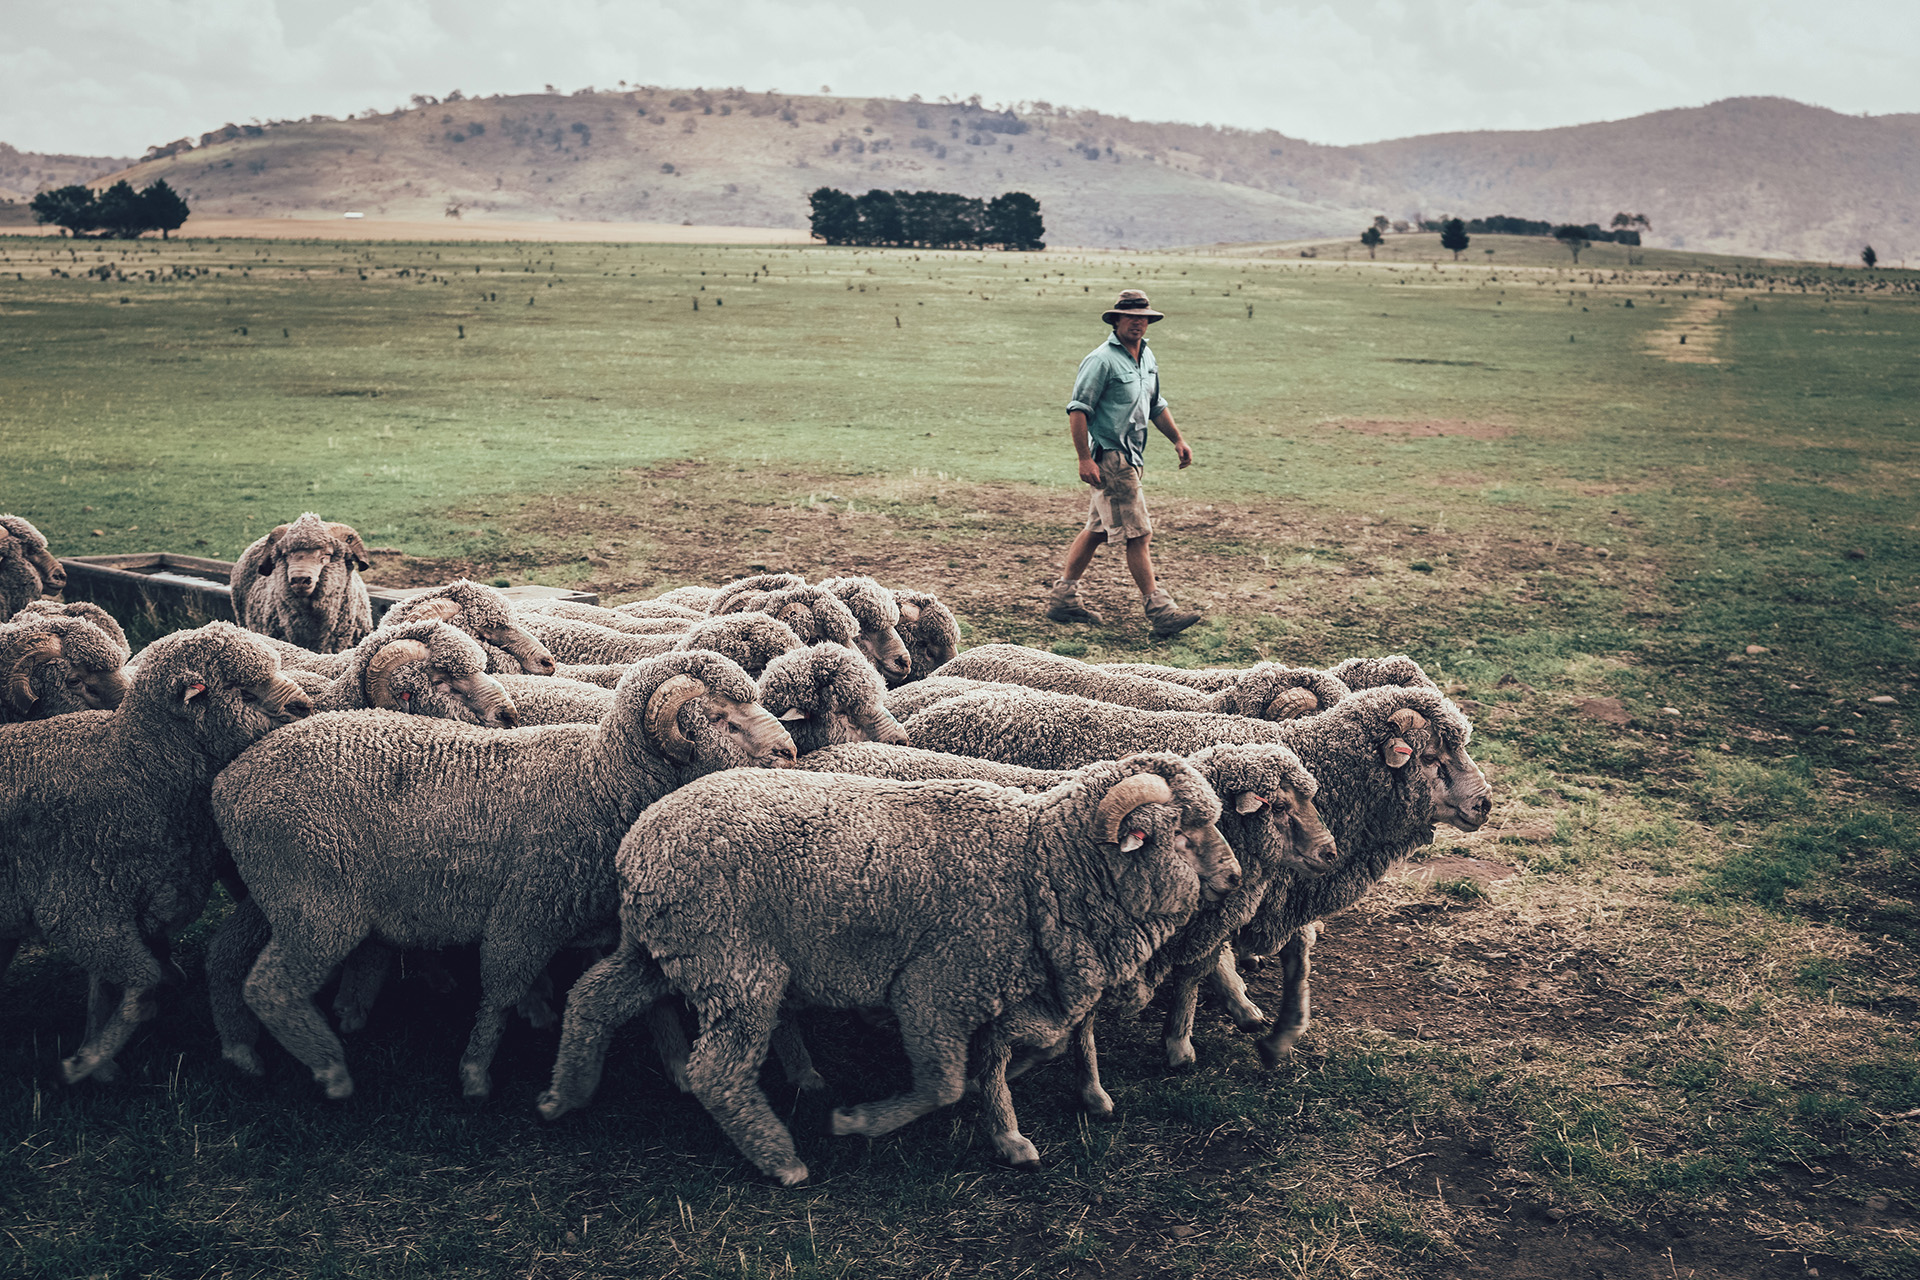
1138 835
1400 752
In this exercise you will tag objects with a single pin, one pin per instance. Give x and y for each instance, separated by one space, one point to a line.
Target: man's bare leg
1063 602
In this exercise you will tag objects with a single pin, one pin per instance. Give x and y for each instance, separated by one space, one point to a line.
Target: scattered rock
1882 699
1184 1233
1879 1204
1856 553
1823 728
1605 709
1669 711
1756 648
1555 1213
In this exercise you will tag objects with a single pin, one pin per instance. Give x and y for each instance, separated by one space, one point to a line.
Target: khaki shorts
1117 507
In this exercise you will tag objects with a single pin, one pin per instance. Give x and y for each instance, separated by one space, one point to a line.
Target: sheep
1354 673
930 632
877 612
611 619
973 913
106 819
541 700
641 609
703 598
28 570
750 639
915 764
84 609
313 595
1375 673
826 694
59 659
486 615
429 669
426 833
743 594
909 699
814 614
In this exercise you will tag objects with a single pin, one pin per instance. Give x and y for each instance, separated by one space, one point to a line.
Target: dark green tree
836 217
1370 238
73 209
880 219
1575 238
165 209
1014 222
121 211
1453 235
1869 257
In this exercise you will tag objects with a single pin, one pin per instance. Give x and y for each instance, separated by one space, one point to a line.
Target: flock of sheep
753 800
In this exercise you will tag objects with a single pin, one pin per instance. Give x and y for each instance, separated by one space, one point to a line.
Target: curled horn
20 683
663 710
345 533
280 696
1404 721
266 552
1291 704
909 612
1124 797
381 666
440 609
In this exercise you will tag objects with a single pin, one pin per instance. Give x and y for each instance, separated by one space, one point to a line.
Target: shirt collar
1113 340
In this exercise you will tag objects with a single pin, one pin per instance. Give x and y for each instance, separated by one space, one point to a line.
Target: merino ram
425 833
28 570
301 583
1268 691
106 819
486 615
978 916
56 659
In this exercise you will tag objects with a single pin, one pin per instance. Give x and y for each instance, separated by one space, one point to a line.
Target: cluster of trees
927 220
1624 229
119 211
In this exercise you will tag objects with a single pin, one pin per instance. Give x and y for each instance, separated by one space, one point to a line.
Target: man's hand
1186 454
1090 472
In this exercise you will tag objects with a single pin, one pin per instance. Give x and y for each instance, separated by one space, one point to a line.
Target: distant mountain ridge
1761 176
23 173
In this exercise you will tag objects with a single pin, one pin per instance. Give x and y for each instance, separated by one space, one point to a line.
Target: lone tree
1575 238
166 211
70 208
1370 238
121 212
1453 235
1628 221
1869 257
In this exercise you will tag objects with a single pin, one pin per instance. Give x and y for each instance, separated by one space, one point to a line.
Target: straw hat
1132 302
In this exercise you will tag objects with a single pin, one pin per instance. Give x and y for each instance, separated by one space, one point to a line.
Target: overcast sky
111 77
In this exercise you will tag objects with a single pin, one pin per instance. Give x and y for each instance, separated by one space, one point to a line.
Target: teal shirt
1119 397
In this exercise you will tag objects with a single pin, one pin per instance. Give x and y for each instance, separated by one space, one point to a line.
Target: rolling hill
1746 175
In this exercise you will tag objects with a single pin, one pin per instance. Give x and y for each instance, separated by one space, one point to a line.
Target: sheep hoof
79 1067
474 1080
1016 1150
1251 1019
106 1073
789 1175
246 1058
1097 1101
848 1120
811 1082
351 1020
335 1081
552 1106
1275 1049
1180 1052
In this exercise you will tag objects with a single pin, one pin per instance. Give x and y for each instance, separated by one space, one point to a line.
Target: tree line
1621 231
927 220
119 211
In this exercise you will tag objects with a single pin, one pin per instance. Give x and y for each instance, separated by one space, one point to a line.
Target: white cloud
113 76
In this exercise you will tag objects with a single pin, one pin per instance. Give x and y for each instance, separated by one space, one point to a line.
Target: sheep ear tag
186 689
1249 802
1132 840
793 713
1396 754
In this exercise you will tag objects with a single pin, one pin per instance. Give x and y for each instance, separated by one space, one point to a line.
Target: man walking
1115 396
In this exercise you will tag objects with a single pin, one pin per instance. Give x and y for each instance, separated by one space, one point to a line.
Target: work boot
1063 604
1168 618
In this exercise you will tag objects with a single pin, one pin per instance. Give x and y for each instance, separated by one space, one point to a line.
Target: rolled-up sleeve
1088 384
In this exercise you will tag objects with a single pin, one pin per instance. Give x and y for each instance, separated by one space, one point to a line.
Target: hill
22 173
1759 176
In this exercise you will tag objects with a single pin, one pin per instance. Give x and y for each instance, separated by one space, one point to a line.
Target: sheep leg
1087 1055
7 947
670 1041
608 995
362 974
724 1070
507 972
115 961
1002 1125
791 1048
102 998
1231 988
938 1054
537 1005
280 992
229 957
1296 970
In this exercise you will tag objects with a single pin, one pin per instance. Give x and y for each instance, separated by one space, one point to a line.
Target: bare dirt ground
1691 336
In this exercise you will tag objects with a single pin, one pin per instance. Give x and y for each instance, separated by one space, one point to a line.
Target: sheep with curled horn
486 615
301 583
981 918
828 694
418 833
28 570
750 639
56 659
107 821
703 598
876 611
930 632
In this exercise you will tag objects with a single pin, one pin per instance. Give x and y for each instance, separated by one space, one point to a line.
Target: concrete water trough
155 592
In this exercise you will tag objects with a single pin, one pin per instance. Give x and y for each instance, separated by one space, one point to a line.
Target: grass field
1658 1019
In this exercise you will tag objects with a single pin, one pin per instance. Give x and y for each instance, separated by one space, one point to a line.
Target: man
1115 396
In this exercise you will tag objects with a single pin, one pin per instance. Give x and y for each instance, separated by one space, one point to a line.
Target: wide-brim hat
1132 302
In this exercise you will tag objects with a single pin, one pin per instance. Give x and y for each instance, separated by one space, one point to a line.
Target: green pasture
1499 466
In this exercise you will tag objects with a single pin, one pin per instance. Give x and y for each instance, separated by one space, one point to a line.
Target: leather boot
1063 604
1168 618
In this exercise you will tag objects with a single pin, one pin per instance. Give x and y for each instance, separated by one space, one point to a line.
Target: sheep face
308 550
1437 771
929 632
23 540
816 616
436 670
827 695
877 613
486 615
61 666
219 681
1167 853
1271 793
701 711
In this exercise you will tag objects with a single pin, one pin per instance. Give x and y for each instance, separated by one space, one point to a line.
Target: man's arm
1077 428
1163 419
